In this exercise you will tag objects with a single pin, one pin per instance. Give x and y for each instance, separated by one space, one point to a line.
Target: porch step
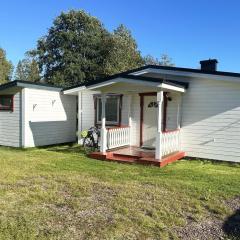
148 161
121 159
97 155
126 156
112 157
172 158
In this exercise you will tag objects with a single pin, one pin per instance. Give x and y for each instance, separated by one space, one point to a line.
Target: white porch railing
118 137
170 142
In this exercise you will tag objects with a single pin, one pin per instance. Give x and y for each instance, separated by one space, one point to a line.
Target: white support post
23 118
158 154
179 120
130 117
103 147
179 116
80 139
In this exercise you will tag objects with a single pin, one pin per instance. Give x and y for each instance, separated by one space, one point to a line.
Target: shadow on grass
70 148
232 225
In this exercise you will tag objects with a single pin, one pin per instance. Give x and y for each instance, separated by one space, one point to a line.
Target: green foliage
6 67
123 52
72 51
164 60
78 48
27 70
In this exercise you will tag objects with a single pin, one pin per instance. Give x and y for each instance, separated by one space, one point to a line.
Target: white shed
36 114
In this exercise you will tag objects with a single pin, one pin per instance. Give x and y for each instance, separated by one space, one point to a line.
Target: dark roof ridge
182 69
16 83
195 70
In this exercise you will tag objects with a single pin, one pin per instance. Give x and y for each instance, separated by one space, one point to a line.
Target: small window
6 103
112 110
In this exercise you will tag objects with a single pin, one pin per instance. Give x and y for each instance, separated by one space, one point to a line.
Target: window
112 110
6 103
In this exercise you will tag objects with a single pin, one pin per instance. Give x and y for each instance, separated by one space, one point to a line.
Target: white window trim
97 110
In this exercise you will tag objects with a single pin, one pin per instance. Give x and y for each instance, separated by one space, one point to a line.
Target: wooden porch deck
137 155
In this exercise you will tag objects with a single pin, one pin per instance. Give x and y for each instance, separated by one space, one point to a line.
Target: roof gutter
72 91
192 74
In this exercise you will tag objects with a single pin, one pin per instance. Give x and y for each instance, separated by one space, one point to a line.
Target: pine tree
27 70
6 67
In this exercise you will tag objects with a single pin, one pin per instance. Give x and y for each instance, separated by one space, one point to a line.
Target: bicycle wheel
88 145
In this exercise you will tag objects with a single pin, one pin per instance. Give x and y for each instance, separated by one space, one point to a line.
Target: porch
139 118
120 150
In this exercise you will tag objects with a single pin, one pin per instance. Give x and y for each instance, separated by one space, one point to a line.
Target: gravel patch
213 228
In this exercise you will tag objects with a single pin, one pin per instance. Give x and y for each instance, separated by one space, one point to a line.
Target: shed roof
26 84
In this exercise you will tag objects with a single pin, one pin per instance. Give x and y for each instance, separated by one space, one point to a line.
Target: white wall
135 129
85 110
173 111
10 125
126 108
50 117
211 120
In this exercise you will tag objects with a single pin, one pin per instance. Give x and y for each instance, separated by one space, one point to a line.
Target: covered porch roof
134 84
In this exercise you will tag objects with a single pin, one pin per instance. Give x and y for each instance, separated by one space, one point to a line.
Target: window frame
97 98
11 107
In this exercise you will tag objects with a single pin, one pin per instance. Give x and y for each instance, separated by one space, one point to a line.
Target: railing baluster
170 142
118 137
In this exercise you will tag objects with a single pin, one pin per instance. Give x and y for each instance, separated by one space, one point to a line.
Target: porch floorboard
137 155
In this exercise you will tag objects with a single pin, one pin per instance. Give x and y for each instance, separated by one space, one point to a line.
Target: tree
165 60
77 48
27 70
34 74
20 73
150 60
71 52
6 67
123 54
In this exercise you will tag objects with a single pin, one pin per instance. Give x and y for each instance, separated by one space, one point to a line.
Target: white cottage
35 114
158 114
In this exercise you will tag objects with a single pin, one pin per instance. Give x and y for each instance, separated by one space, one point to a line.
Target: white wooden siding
125 109
211 120
86 112
50 118
172 111
135 129
10 125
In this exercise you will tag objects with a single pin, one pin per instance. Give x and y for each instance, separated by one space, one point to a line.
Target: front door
149 124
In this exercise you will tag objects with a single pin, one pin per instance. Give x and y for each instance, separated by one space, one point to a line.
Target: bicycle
91 139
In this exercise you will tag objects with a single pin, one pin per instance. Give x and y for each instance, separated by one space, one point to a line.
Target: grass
58 193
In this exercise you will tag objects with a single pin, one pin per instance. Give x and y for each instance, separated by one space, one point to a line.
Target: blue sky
188 31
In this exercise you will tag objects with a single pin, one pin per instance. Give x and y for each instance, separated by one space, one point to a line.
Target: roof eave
25 84
144 81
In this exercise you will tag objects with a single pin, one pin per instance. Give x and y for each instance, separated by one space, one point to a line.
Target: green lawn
58 193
